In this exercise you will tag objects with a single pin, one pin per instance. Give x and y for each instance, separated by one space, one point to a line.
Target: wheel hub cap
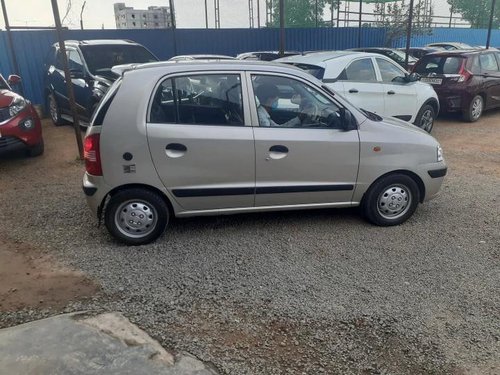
136 219
427 120
394 202
477 108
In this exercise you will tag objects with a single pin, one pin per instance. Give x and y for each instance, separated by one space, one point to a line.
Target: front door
361 86
200 144
308 159
400 96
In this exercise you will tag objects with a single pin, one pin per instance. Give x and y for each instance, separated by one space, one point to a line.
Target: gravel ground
297 292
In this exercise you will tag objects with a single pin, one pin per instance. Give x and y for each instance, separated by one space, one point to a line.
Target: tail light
464 73
92 155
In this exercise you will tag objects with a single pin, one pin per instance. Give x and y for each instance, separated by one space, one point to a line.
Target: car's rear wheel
475 110
425 118
136 216
391 200
36 150
54 110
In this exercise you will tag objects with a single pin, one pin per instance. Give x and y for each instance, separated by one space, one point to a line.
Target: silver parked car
188 139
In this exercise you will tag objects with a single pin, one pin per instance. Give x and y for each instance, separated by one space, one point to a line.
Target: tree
477 12
394 18
299 13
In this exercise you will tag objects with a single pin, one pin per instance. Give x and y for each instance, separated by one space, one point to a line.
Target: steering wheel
309 114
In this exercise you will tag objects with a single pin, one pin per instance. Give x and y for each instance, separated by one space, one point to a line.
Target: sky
189 13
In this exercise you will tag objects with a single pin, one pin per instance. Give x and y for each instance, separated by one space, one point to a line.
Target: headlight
439 153
17 105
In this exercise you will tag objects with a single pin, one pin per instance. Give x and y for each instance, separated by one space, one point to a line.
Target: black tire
396 186
54 111
426 117
36 150
475 109
127 208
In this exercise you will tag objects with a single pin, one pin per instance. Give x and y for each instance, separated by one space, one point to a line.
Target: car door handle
175 150
353 91
277 152
391 92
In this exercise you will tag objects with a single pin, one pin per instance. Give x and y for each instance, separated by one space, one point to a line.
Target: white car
373 82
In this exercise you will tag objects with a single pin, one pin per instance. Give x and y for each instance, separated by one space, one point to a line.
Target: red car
20 126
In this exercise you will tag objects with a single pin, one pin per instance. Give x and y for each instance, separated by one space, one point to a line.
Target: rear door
362 87
81 88
308 160
400 96
201 142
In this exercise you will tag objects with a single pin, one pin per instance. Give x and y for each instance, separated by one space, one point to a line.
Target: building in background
152 18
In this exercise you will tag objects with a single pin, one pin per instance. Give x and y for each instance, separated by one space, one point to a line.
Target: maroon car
465 81
20 127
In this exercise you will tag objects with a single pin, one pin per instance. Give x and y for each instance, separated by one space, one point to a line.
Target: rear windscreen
439 65
313 70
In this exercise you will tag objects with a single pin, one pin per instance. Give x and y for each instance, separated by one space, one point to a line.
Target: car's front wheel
425 118
475 110
136 216
391 200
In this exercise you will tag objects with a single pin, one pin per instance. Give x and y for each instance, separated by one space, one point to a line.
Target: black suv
90 63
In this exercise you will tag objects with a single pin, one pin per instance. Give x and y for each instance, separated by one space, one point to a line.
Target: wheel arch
412 175
117 189
434 103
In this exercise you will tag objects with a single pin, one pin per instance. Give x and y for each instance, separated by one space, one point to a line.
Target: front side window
388 70
205 99
288 103
361 70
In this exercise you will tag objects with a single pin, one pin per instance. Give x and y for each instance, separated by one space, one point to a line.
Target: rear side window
209 99
488 62
360 70
102 109
439 65
315 71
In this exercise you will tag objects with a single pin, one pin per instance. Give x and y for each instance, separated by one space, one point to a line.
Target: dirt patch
29 279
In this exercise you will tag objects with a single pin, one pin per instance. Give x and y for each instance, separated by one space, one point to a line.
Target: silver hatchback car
201 138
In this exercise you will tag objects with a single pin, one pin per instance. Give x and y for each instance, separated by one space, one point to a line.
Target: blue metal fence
32 46
474 37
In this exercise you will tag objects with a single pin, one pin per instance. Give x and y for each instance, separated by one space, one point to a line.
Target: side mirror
14 80
76 73
413 77
348 120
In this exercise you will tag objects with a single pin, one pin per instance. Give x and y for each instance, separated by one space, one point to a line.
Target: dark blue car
90 63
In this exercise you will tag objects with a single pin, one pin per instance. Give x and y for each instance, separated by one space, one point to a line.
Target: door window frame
253 104
389 61
244 89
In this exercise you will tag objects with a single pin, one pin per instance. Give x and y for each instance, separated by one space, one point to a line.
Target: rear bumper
95 191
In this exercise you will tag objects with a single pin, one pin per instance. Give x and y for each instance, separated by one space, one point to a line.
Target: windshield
400 56
101 58
316 71
439 65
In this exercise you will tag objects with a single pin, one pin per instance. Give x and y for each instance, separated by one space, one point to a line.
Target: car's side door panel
203 166
301 165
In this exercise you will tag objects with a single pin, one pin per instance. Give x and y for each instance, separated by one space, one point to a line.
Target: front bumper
13 137
432 176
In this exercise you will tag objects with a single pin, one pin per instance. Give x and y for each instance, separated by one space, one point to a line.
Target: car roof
319 58
205 56
201 65
462 52
96 42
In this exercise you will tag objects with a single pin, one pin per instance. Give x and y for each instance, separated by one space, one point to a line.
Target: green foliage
395 17
300 13
477 12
